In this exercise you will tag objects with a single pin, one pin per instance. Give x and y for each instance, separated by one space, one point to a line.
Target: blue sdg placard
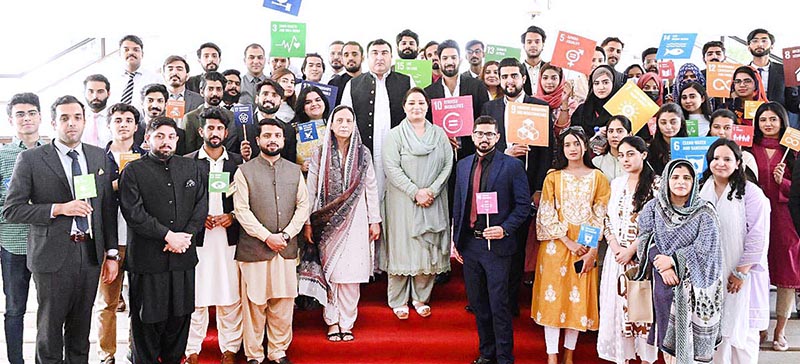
330 92
307 131
243 114
676 46
589 236
285 6
694 149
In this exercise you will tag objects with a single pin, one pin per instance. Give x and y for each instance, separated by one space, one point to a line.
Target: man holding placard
176 71
71 235
217 275
537 157
164 200
212 87
487 266
759 43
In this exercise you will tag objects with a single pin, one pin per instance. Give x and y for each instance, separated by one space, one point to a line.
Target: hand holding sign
486 204
85 186
790 140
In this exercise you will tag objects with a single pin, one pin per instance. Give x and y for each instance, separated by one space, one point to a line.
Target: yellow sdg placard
632 102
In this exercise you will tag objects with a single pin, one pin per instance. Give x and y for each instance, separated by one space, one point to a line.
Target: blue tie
80 221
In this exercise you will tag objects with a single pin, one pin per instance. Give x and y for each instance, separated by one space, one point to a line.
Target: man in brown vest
267 249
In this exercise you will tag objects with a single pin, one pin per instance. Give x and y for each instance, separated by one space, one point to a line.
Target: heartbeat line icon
294 43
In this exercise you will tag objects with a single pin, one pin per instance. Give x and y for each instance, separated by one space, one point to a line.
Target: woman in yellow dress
574 194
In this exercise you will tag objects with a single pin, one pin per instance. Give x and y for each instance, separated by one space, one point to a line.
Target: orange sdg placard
573 52
791 139
632 102
528 124
125 158
750 108
719 77
175 109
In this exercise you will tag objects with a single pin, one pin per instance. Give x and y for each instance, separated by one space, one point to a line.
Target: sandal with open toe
781 344
422 309
348 336
334 336
401 312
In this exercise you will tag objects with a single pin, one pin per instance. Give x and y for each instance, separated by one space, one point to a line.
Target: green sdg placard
287 39
421 71
497 52
218 182
692 127
85 186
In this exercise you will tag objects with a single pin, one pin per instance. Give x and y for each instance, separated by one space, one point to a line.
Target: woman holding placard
722 122
591 113
650 83
312 107
695 105
565 288
670 124
745 87
743 212
689 72
619 339
771 122
418 159
554 90
679 243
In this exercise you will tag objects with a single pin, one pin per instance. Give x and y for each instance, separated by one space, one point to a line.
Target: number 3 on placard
274 27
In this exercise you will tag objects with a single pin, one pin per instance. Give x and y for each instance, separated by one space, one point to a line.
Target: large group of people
315 197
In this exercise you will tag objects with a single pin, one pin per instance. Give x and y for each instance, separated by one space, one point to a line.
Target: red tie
476 187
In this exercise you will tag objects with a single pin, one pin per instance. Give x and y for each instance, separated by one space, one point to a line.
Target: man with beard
407 44
337 66
533 43
164 200
453 85
95 90
613 47
154 103
268 101
539 160
267 249
430 54
760 43
69 235
313 67
649 61
254 59
474 55
233 88
487 265
217 275
134 78
175 71
209 56
211 87
123 123
353 55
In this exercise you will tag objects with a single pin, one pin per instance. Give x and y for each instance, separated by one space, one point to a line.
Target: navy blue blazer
508 179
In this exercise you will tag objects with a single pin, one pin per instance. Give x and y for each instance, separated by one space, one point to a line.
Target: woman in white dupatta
744 212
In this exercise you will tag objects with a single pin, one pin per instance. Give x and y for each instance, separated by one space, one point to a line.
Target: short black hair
132 38
430 44
379 41
512 62
336 42
612 39
269 121
97 78
474 42
485 120
232 72
407 33
155 87
123 108
449 43
533 29
305 62
713 43
601 50
760 31
253 45
209 45
160 121
212 76
214 112
64 100
175 58
724 113
270 82
417 90
354 43
29 98
649 51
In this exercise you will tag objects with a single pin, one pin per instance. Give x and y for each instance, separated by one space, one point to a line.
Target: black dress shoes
482 360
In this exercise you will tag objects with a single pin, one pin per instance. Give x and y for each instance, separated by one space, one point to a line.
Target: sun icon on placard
628 109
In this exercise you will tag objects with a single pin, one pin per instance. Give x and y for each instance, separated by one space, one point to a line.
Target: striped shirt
13 237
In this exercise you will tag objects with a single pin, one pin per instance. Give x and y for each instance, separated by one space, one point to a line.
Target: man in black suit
209 56
760 42
164 200
154 104
539 159
453 85
353 56
69 238
487 264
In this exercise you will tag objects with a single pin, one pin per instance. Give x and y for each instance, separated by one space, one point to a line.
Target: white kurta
216 273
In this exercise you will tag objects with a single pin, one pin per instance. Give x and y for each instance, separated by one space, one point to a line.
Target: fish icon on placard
673 52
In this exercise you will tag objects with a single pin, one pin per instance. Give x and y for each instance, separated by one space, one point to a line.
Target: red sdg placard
573 52
454 115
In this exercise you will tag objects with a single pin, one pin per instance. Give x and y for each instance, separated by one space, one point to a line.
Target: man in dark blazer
487 264
164 200
69 239
212 86
539 159
760 42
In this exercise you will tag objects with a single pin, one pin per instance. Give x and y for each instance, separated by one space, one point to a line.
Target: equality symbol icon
452 123
573 56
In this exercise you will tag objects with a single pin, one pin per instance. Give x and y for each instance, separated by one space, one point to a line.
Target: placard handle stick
89 218
488 241
785 154
244 130
526 159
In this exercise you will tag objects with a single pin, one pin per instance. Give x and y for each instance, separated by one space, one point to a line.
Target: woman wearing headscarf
591 113
554 90
650 83
746 86
311 107
679 239
687 73
345 220
418 159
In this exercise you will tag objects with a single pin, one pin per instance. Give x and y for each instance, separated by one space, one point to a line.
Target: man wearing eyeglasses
760 42
486 243
23 114
537 159
474 55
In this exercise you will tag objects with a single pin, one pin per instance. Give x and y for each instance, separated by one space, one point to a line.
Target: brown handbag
638 290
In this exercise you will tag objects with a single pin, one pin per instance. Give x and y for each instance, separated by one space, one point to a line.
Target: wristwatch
112 257
285 236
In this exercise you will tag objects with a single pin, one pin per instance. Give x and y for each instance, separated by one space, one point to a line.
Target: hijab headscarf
652 76
554 98
591 113
680 80
736 104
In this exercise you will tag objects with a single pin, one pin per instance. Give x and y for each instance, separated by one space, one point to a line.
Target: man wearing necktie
70 239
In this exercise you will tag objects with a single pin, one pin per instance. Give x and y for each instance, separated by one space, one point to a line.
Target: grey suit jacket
193 100
37 183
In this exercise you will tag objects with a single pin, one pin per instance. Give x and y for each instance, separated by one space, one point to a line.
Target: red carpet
447 336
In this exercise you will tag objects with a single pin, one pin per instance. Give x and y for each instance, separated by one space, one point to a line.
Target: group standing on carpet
255 215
